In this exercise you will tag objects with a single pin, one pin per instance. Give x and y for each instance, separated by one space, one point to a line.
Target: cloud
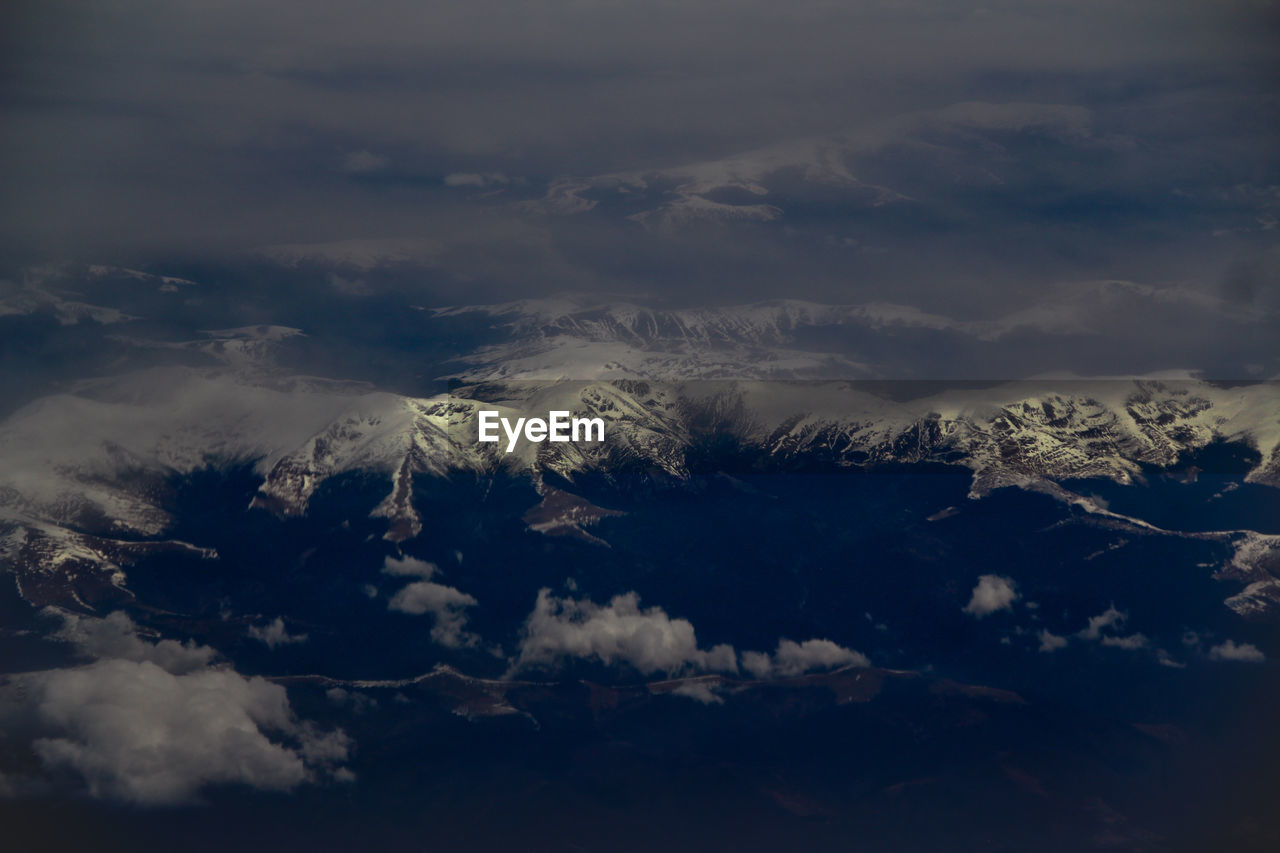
792 658
274 634
699 692
445 603
1014 178
409 567
154 723
1012 175
140 734
1050 642
1100 630
649 640
115 636
1097 624
993 593
1230 650
560 87
1133 642
473 179
617 633
363 162
1064 120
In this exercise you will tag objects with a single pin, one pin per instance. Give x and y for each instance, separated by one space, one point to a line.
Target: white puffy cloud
446 604
621 632
154 723
138 733
115 636
1051 642
1230 650
274 634
758 664
993 593
617 633
1097 624
792 658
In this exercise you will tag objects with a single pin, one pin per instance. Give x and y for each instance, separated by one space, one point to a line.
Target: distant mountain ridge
82 469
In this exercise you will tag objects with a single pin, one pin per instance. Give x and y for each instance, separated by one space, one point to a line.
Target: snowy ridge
98 459
588 319
60 566
299 432
595 329
1025 429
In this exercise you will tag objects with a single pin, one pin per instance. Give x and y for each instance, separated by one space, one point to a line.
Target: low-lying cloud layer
116 637
620 632
155 723
649 640
792 658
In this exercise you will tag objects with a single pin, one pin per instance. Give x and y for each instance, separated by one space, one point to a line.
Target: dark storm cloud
195 127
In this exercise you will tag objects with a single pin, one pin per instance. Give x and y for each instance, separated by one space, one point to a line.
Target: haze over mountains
783 380
936 349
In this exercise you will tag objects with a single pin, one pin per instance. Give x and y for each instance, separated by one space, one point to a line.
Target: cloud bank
792 658
647 639
140 734
155 723
617 633
990 125
116 636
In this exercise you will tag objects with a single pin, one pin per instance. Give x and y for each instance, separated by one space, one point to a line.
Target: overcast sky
1024 141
